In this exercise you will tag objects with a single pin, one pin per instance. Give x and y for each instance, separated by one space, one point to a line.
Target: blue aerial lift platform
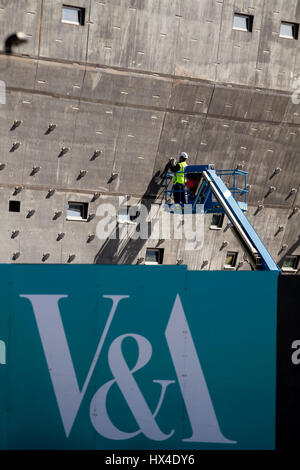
206 192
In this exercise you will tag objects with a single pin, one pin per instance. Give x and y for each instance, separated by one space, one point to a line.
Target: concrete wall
140 82
182 38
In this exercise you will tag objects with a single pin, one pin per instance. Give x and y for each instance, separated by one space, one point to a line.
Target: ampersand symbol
123 376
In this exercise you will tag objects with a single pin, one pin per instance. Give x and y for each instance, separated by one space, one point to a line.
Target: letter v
58 357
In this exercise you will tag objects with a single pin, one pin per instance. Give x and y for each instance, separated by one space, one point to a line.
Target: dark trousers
179 193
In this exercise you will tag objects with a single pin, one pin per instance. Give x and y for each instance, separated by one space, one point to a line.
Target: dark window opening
289 30
291 263
77 210
154 256
231 259
73 15
243 22
14 206
217 221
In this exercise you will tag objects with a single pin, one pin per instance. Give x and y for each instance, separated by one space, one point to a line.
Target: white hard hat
184 155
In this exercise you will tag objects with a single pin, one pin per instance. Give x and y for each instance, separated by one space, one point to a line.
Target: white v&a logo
192 383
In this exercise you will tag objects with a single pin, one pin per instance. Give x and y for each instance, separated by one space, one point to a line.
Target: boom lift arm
209 183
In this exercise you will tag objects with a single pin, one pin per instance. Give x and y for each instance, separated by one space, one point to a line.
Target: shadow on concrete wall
125 251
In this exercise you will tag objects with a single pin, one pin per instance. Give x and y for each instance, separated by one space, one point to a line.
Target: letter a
191 379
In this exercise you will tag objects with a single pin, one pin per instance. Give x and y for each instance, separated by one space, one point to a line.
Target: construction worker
179 178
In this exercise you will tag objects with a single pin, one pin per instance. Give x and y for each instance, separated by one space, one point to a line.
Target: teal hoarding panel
137 357
236 343
5 333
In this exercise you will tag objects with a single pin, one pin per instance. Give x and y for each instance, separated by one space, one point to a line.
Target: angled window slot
290 263
154 256
73 15
289 30
217 221
77 211
243 22
231 258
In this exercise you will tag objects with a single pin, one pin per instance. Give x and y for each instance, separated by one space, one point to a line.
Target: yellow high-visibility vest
179 176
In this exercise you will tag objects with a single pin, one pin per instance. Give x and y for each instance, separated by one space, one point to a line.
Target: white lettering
141 224
296 354
131 392
58 356
107 226
191 379
193 387
296 93
116 460
2 92
2 352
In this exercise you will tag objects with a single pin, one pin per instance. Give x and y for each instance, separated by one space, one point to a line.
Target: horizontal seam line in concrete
110 193
150 73
71 190
150 108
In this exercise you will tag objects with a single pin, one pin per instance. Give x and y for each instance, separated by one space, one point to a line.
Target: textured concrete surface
140 82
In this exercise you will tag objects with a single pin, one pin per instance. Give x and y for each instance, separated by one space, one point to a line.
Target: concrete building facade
94 109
